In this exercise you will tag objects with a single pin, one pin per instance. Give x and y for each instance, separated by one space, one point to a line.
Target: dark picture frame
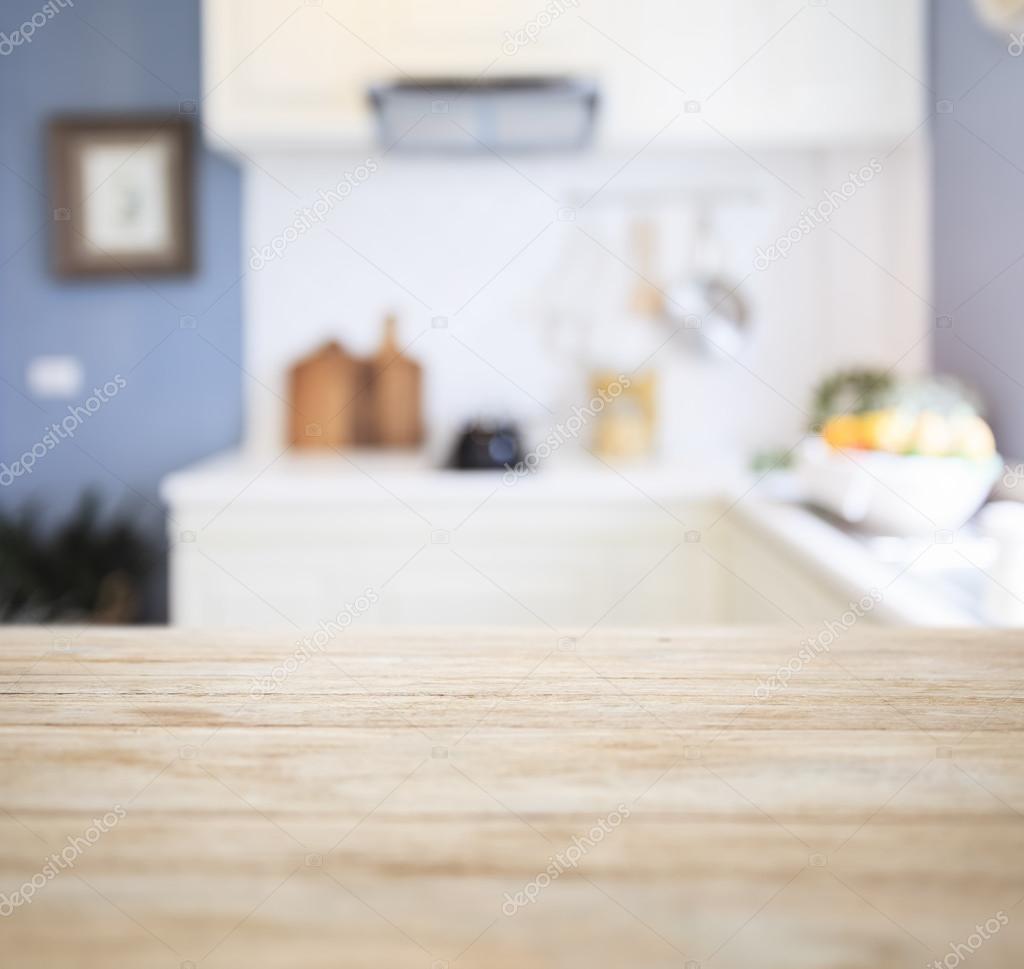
121 189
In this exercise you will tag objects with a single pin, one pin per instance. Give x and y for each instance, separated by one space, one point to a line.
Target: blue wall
183 395
978 201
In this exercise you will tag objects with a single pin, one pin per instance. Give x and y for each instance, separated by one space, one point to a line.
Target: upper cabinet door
824 70
785 72
287 71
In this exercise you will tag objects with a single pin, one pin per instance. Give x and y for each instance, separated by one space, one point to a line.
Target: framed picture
121 189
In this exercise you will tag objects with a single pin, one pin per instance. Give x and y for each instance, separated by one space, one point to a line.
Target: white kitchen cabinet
294 543
288 73
281 73
769 584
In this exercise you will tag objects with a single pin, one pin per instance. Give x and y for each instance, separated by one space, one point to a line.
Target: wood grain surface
386 801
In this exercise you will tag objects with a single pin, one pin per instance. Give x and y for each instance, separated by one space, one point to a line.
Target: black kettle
487 446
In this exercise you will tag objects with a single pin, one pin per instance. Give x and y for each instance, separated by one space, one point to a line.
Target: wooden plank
375 805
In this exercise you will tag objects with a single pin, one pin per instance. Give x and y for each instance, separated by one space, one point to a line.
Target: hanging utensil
647 301
705 306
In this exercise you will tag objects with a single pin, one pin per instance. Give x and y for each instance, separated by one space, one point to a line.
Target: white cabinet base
297 544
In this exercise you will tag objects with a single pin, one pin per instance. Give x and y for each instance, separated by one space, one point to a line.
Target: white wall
480 241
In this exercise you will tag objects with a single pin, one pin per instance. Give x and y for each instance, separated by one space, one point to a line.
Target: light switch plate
55 376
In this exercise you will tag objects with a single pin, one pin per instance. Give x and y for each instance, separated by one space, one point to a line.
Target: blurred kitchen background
558 313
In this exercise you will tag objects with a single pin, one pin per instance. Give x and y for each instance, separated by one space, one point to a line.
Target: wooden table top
505 799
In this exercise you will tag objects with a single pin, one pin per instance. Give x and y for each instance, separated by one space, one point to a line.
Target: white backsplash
505 251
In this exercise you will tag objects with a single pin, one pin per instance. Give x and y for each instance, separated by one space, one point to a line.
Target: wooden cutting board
328 403
396 389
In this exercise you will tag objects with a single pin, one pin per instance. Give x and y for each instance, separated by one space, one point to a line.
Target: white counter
846 563
373 474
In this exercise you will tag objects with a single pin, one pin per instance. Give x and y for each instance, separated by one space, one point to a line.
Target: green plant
863 390
776 459
850 392
87 568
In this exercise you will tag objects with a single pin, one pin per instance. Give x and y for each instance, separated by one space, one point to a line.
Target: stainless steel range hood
505 114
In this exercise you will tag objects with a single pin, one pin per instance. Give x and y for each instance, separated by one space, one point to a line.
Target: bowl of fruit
898 456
